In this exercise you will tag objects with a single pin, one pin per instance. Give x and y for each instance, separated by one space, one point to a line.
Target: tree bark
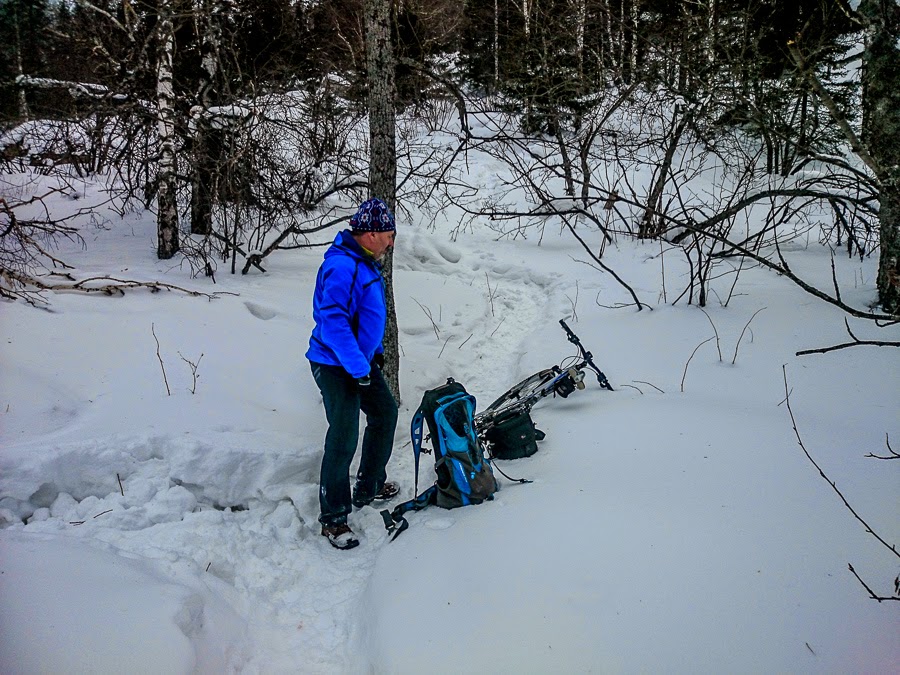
22 100
496 44
651 226
204 162
167 207
881 135
383 156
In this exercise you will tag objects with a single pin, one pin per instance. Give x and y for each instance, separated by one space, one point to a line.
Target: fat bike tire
520 393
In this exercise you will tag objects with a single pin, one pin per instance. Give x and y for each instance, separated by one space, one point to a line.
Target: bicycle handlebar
586 355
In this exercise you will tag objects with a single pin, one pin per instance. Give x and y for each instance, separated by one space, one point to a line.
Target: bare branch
836 113
684 375
650 385
891 547
159 358
115 287
856 343
605 267
747 325
893 455
427 311
879 598
718 347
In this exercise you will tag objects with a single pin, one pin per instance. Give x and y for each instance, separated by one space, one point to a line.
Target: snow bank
69 607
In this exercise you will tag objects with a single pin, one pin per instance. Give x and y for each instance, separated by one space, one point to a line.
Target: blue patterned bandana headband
373 215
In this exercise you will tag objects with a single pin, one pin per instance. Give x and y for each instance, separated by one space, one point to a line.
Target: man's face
378 242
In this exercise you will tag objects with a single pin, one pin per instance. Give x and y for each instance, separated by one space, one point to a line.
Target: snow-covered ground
673 525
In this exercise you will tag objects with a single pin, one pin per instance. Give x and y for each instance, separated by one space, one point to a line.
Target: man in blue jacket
346 354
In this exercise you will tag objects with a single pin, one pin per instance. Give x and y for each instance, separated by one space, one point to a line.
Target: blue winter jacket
349 308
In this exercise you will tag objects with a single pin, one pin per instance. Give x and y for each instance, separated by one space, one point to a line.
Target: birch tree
167 207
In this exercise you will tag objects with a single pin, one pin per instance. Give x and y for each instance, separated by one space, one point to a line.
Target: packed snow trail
235 504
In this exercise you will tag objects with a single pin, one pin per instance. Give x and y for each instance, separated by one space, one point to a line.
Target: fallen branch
498 326
574 302
606 268
879 598
491 293
893 455
649 384
445 345
427 311
856 343
114 287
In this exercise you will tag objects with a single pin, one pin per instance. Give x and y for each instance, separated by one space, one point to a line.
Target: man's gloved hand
378 360
364 381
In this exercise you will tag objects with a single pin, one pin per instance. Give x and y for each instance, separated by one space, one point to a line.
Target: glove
364 381
378 360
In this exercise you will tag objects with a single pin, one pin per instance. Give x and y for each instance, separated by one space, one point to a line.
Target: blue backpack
464 476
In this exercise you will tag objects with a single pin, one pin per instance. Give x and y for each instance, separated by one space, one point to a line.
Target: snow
673 525
93 610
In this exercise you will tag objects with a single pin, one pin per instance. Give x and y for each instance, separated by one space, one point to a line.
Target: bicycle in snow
505 426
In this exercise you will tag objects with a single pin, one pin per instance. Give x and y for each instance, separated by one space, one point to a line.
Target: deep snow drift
665 531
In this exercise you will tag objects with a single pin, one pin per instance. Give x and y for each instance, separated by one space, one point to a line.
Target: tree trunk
383 156
203 160
579 43
627 37
22 100
167 207
201 180
496 44
651 223
881 134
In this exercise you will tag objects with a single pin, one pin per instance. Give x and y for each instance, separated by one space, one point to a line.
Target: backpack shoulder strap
394 521
415 433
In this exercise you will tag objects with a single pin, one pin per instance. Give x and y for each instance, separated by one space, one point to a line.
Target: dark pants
344 399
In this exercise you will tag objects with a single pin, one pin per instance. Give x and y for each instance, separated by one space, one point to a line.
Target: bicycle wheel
520 393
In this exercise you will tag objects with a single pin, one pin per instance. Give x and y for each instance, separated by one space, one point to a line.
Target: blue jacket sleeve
337 308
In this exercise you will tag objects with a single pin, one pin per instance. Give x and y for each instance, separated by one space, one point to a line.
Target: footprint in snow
260 312
440 523
448 252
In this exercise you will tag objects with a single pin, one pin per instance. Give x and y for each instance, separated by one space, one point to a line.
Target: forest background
238 117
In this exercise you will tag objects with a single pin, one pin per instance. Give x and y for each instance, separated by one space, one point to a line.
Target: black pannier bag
513 436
